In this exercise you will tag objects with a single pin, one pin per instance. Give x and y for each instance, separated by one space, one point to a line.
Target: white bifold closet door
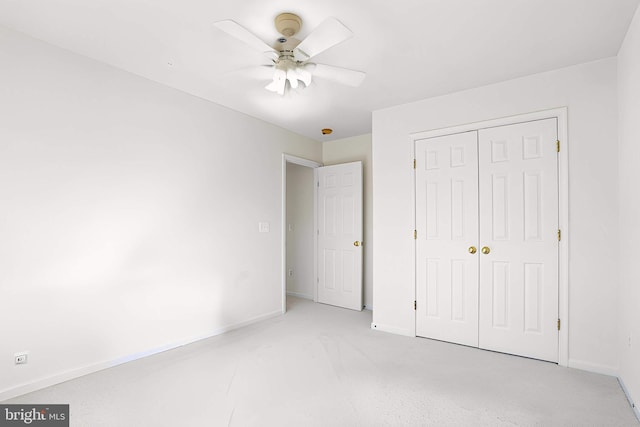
447 225
519 225
502 251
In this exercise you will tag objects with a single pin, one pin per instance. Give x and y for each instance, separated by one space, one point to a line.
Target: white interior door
518 170
447 229
340 235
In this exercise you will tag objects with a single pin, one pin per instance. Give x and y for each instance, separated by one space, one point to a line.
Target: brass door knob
356 243
486 250
472 250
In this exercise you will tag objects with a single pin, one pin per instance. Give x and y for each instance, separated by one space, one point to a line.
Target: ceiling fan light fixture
279 81
292 77
291 72
305 71
304 76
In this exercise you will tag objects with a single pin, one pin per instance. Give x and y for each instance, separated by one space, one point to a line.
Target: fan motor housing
287 47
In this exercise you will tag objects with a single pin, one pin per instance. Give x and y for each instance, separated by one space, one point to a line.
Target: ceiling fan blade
259 72
344 76
239 32
328 34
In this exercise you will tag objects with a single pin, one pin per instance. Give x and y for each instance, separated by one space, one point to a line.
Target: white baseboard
89 369
629 398
299 295
593 367
392 330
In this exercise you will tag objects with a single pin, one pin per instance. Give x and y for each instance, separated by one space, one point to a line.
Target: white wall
129 214
589 92
350 150
629 177
300 239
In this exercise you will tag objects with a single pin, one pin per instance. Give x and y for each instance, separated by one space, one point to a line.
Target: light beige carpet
323 366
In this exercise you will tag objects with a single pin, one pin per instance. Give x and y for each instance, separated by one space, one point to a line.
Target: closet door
447 236
518 179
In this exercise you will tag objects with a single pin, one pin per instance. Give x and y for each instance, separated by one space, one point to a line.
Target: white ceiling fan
291 56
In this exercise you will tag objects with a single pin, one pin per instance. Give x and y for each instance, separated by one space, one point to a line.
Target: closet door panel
447 226
518 205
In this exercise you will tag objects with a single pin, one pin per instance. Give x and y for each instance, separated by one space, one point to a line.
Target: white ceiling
410 49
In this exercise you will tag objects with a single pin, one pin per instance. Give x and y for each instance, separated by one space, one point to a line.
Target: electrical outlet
20 358
630 339
263 227
290 272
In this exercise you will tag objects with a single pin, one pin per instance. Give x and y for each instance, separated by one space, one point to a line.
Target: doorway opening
322 229
299 222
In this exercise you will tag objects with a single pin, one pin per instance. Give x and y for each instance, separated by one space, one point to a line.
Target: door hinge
318 183
415 234
414 163
317 280
558 324
558 145
559 235
415 305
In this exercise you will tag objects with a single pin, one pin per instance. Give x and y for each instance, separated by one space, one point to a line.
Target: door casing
563 196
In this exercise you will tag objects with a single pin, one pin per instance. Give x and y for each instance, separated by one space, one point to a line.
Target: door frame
563 198
288 158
